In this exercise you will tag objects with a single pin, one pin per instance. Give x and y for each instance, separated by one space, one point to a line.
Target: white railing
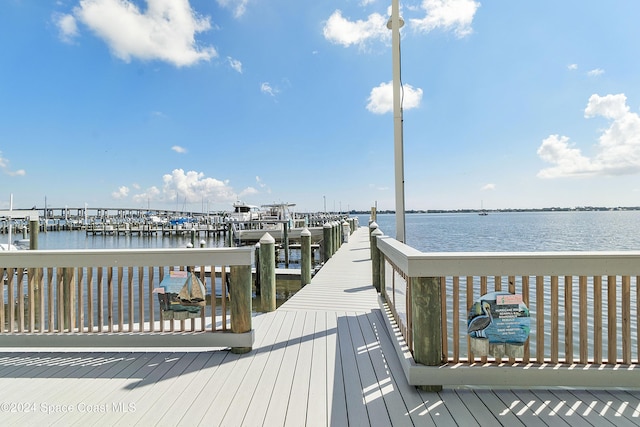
108 298
583 306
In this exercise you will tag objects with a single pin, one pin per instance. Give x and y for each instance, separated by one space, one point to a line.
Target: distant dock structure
119 221
146 222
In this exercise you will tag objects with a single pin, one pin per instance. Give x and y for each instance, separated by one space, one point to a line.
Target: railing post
240 294
426 323
267 272
305 257
375 258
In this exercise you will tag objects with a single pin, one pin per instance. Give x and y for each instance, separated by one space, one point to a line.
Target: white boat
8 247
272 219
244 212
483 211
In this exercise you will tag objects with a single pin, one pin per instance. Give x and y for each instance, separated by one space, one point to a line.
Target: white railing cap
127 257
415 263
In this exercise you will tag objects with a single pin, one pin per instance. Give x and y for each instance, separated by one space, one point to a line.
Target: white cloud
572 66
4 166
247 192
266 88
610 106
164 31
186 187
261 184
595 72
448 15
235 64
152 194
381 98
120 193
239 6
67 26
488 187
339 30
569 161
618 148
191 187
179 149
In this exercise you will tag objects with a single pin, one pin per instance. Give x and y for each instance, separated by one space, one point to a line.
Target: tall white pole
396 23
10 220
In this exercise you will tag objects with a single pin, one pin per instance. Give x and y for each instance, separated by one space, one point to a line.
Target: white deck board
372 392
520 404
317 406
394 405
357 414
474 412
194 385
279 399
298 403
324 358
336 393
252 386
256 409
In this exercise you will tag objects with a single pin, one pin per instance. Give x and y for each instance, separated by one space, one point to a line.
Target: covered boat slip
325 357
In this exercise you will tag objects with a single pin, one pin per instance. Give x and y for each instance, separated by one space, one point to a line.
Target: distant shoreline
553 209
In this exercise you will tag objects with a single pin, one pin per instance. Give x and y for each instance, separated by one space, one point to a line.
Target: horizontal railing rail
583 309
111 297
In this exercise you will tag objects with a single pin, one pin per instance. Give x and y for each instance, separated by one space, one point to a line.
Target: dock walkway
324 358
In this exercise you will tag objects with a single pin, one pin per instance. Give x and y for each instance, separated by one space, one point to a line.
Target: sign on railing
166 297
531 308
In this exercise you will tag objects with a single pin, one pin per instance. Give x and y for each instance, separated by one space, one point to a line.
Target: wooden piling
345 231
285 243
426 323
327 241
305 257
33 234
267 273
372 227
375 259
240 294
257 261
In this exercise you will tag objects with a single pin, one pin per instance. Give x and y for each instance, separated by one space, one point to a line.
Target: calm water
80 240
535 231
525 231
451 232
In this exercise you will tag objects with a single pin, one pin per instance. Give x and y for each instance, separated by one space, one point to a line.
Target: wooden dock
324 358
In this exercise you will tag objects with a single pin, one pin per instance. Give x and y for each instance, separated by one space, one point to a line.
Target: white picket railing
109 298
584 313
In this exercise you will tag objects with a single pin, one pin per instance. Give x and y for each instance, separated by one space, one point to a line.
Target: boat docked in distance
273 219
244 212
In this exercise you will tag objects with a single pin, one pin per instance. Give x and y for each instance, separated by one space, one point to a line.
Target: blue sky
194 104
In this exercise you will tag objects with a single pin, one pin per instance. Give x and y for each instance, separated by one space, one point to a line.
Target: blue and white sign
501 317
